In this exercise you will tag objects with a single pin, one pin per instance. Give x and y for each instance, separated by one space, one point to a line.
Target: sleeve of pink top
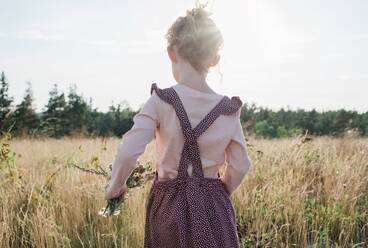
132 145
238 162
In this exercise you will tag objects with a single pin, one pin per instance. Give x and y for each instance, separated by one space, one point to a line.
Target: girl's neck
192 78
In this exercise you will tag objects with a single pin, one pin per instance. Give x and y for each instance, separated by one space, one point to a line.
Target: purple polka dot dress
191 211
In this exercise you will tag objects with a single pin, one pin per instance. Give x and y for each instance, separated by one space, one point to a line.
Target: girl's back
222 142
196 131
190 209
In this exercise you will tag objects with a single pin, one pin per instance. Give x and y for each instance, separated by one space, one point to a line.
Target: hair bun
198 13
196 38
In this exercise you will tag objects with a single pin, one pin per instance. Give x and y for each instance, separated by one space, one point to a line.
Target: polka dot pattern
191 212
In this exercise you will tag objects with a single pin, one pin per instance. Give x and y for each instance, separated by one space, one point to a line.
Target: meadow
298 193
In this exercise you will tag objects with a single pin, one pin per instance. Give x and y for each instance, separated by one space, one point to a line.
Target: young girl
196 131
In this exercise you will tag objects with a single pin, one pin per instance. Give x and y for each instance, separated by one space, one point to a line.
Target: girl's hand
116 193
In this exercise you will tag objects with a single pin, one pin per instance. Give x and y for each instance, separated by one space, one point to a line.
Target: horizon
125 103
292 55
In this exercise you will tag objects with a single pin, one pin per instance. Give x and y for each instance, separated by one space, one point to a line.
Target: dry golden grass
314 194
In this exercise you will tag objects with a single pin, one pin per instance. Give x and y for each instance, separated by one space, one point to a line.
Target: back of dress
190 209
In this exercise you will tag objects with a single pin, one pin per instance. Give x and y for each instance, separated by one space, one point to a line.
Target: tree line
71 114
64 115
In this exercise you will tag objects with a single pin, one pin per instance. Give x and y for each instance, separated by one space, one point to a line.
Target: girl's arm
238 162
133 144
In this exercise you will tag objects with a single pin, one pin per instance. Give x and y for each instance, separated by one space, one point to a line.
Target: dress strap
170 96
190 152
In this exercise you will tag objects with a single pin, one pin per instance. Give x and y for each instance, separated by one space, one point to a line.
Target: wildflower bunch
140 175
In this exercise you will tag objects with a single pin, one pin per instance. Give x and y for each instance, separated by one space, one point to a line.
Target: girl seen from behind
196 131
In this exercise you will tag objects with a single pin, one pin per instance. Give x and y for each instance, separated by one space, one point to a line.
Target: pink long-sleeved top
222 142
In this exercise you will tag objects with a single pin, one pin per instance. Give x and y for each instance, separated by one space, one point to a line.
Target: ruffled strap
165 94
231 106
170 96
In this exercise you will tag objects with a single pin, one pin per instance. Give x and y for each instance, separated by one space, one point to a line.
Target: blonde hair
196 38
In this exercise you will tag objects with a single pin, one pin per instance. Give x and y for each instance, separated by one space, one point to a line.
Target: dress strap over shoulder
190 152
229 106
169 95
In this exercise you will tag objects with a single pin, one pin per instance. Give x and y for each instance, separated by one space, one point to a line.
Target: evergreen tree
363 124
342 121
77 112
53 117
106 122
5 103
92 120
25 118
123 121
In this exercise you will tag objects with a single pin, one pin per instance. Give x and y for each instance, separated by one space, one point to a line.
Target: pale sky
297 53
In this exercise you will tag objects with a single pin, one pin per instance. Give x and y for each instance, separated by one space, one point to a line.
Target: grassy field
312 194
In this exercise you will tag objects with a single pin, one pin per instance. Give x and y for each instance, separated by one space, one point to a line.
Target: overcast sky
285 53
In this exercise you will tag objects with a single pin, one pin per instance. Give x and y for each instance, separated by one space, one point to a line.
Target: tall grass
295 195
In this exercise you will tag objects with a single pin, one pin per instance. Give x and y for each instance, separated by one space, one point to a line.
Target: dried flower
138 177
